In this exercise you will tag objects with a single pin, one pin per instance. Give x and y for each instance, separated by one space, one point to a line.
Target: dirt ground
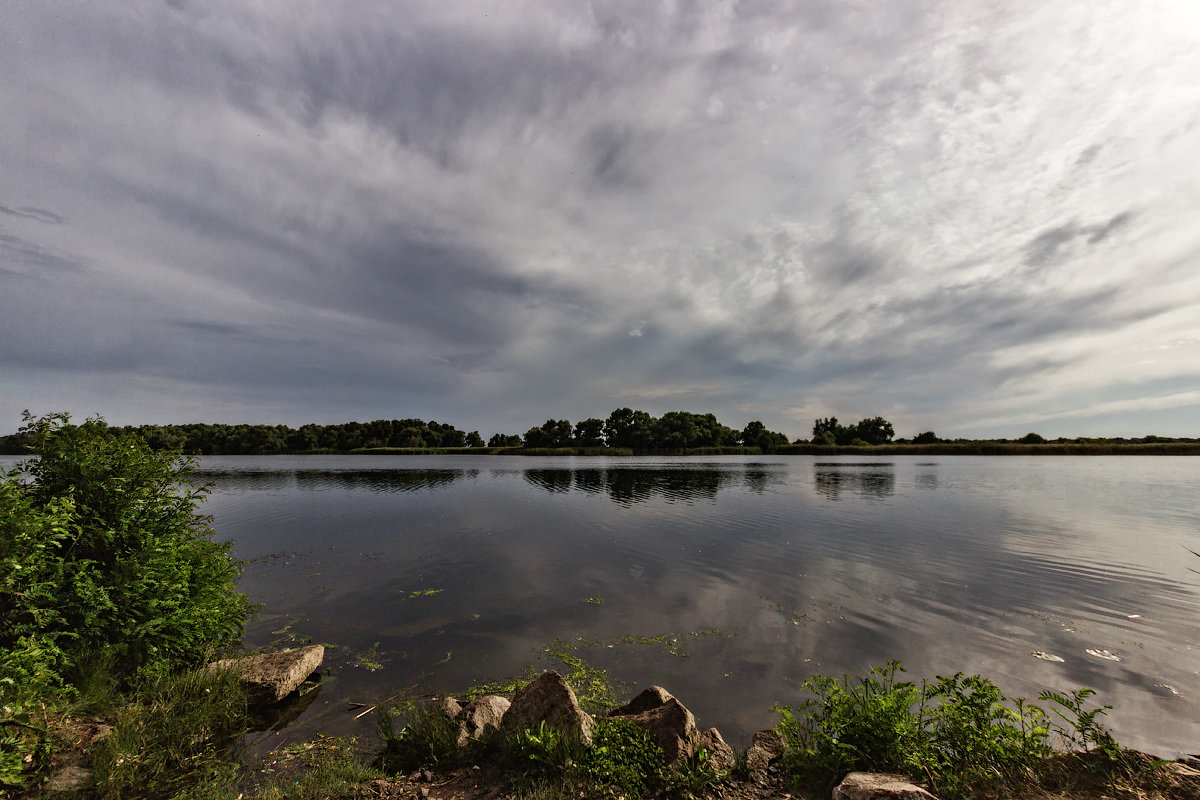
1141 777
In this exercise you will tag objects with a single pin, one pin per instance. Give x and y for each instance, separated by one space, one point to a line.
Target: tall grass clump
959 734
173 737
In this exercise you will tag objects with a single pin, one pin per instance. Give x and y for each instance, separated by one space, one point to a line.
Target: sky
973 217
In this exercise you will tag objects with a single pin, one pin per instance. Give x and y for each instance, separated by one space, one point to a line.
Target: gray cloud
29 212
779 211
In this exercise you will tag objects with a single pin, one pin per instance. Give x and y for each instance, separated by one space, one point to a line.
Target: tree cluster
874 430
217 439
637 430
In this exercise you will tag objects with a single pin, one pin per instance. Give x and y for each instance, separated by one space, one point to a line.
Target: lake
728 580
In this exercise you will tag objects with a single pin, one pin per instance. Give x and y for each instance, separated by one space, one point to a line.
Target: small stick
377 705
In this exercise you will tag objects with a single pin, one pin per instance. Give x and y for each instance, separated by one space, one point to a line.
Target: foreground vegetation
113 595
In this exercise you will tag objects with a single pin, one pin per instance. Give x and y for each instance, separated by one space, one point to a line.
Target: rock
766 748
549 699
720 754
449 706
479 715
649 699
878 786
269 677
666 720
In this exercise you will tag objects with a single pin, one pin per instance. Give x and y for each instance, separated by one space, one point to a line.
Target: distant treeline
624 431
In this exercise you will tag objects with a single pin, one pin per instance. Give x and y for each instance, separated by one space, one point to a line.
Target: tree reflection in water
865 479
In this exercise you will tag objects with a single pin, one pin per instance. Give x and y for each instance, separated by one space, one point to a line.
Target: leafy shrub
622 762
973 738
958 733
853 724
105 550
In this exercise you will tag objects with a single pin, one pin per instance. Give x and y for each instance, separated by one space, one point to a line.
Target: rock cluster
550 700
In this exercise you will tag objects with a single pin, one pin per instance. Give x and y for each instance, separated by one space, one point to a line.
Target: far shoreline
979 448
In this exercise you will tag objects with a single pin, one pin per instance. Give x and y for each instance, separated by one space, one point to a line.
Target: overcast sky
973 216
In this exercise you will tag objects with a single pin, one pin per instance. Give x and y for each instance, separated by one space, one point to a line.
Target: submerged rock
269 677
551 700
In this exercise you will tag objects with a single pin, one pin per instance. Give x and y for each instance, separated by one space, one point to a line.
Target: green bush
103 560
866 723
958 733
622 762
104 550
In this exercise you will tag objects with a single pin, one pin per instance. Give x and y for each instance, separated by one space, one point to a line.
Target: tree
589 433
928 437
628 428
875 430
504 440
411 436
474 439
755 434
829 426
1032 438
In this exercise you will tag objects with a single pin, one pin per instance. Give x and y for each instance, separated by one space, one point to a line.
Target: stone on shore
449 706
665 720
270 677
720 754
551 700
766 748
879 786
649 699
477 716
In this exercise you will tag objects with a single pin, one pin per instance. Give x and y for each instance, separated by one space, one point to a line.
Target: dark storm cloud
29 212
19 256
550 208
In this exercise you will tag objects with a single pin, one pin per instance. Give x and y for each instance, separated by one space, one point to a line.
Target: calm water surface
449 571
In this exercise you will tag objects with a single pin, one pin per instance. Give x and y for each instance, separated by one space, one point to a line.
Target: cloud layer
972 217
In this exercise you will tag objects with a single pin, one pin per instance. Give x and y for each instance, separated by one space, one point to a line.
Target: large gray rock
720 754
649 699
270 677
665 720
766 748
878 786
479 715
549 699
449 706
